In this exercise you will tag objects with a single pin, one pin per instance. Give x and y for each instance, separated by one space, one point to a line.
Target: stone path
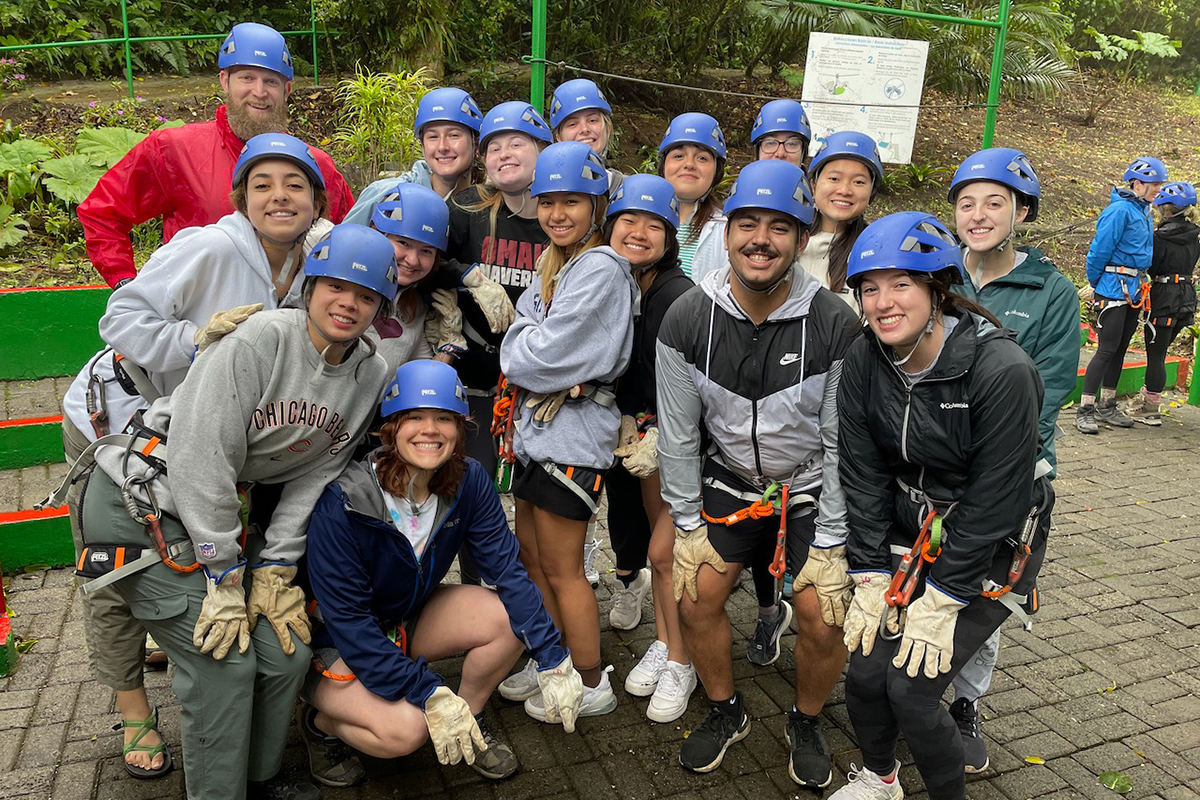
1109 679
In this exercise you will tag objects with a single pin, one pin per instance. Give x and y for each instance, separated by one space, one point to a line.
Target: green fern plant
378 109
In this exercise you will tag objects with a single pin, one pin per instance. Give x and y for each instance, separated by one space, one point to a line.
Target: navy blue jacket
366 577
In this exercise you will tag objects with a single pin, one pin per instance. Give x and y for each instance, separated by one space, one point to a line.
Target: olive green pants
235 712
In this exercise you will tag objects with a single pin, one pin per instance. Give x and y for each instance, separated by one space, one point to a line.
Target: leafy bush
378 110
1128 54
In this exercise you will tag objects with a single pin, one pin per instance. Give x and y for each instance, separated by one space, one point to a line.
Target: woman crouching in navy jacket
381 539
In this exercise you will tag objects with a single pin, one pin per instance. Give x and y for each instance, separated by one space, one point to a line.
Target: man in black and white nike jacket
752 356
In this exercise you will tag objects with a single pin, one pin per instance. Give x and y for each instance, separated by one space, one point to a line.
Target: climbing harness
925 550
503 410
397 634
777 499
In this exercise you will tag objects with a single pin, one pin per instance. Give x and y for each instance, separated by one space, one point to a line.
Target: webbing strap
1121 269
149 446
566 481
147 559
794 500
141 381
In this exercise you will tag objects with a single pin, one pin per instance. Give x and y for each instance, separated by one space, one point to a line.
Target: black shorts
533 484
752 541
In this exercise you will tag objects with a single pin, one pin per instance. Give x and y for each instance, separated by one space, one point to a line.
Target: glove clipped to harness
223 621
562 693
272 595
223 323
627 437
692 550
452 728
867 608
929 633
826 570
642 458
443 327
491 298
546 405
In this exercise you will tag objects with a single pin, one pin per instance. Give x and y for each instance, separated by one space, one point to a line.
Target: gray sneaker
626 612
498 761
966 715
330 760
1108 413
1085 419
763 649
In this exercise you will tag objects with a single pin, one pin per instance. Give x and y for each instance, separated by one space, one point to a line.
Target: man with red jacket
184 174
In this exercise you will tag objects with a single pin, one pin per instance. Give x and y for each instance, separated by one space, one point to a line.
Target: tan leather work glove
929 633
546 406
273 596
866 609
642 461
627 437
562 693
316 232
491 298
452 727
222 621
692 551
443 324
825 570
223 323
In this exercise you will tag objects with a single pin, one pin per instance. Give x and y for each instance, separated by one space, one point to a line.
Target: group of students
512 314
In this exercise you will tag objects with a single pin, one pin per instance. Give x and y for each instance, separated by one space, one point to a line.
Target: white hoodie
153 319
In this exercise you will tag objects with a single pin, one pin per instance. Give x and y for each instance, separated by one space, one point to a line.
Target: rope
665 85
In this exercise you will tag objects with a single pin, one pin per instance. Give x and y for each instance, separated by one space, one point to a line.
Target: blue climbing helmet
277 145
849 144
415 212
576 95
569 167
1147 170
694 128
1005 166
515 116
355 254
781 116
909 240
251 44
775 185
649 193
424 384
448 104
1178 193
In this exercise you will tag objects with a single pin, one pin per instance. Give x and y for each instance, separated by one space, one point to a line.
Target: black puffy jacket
966 434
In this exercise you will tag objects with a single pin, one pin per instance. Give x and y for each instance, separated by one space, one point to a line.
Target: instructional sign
865 84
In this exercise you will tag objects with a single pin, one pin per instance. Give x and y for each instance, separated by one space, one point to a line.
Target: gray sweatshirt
259 405
585 337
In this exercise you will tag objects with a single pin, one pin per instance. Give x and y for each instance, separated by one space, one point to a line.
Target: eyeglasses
793 145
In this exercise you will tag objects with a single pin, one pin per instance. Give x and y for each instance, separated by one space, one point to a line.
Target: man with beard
752 356
183 174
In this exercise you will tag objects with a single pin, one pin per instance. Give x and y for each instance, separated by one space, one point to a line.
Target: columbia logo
948 406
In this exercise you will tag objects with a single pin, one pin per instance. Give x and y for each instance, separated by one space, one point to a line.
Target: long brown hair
392 469
554 258
839 249
712 202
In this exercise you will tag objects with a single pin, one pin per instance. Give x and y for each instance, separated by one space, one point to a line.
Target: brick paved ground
1108 679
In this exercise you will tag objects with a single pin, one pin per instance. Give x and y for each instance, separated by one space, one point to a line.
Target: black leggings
628 527
1157 342
884 703
1115 325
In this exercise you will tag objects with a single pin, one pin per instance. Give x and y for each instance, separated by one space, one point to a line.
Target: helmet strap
926 331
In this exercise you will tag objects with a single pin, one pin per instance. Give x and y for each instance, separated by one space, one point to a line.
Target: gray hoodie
585 336
259 405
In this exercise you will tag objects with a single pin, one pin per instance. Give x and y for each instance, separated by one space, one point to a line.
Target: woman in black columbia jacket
938 412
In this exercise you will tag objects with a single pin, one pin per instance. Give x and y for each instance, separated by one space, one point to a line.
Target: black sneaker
810 765
763 649
498 761
705 748
282 787
975 753
1085 419
330 760
1107 412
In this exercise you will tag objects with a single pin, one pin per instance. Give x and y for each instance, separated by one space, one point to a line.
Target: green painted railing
126 41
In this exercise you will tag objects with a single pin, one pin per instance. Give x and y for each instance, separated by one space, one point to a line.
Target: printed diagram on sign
840 86
893 89
887 144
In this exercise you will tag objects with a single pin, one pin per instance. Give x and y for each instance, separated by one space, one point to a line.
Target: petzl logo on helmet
580 98
978 166
275 143
555 176
425 227
781 119
764 191
428 393
260 53
438 108
356 265
690 130
866 253
647 198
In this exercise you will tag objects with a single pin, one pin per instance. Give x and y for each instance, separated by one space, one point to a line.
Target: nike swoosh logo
790 358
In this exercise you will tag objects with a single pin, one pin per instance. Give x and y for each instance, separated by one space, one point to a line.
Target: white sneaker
643 678
675 688
626 612
866 785
522 685
591 549
596 701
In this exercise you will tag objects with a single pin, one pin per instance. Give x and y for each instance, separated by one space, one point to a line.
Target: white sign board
865 84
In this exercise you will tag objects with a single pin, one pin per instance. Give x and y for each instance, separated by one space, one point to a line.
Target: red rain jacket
182 175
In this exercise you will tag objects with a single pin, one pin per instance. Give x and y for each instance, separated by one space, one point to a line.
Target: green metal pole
997 76
537 75
312 23
1194 388
128 55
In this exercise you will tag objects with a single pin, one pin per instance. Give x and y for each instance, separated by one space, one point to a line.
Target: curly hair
393 470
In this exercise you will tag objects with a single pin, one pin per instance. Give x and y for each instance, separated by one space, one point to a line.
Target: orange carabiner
778 565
